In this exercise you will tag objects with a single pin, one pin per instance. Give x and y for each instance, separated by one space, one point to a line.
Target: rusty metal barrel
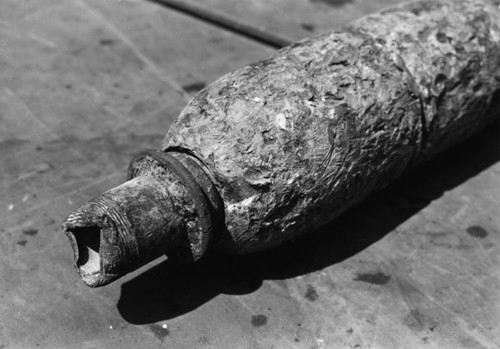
280 147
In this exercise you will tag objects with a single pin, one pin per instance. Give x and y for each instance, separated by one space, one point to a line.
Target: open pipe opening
88 240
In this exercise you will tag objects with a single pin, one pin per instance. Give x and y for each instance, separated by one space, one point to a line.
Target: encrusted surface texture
296 139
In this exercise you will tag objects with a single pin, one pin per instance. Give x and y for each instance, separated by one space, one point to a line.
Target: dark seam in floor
257 34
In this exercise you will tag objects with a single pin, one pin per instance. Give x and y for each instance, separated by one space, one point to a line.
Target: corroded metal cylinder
280 147
296 139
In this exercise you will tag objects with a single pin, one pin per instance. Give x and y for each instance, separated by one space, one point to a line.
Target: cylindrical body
280 147
296 139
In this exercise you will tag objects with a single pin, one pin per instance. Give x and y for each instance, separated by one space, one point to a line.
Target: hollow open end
142 219
86 243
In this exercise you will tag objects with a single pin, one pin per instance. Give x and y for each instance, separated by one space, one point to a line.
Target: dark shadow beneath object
168 290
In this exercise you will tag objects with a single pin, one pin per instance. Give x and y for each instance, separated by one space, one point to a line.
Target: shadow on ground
167 290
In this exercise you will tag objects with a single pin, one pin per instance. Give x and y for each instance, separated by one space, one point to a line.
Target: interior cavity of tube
88 240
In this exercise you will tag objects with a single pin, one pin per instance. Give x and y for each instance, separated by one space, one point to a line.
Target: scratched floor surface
84 84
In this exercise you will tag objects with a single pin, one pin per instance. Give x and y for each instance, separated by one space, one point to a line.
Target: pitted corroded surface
296 139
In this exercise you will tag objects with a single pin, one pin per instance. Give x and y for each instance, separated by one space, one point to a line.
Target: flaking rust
278 148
